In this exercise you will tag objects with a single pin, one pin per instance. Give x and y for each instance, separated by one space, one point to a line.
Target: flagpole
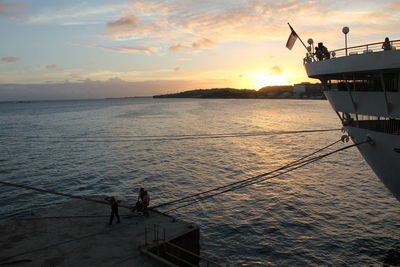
298 37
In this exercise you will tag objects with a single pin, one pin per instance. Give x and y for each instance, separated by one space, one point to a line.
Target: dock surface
77 233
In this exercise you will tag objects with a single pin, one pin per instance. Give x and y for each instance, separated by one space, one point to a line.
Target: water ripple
332 213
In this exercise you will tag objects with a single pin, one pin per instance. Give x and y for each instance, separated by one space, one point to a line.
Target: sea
333 212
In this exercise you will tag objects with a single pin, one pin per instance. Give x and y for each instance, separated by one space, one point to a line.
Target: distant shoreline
269 92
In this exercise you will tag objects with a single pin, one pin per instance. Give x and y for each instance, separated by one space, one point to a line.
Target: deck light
311 43
345 30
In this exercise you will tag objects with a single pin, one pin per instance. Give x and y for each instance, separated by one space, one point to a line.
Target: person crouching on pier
114 209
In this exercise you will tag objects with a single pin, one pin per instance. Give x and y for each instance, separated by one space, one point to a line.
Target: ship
362 84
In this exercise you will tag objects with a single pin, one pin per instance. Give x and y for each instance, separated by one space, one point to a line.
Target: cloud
177 47
75 76
52 66
130 27
124 49
276 70
126 21
184 59
181 24
11 10
199 44
203 43
188 25
10 59
82 13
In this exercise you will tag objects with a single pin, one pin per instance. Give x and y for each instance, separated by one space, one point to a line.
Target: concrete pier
77 233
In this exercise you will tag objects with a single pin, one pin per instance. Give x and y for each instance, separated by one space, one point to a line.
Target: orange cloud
188 22
177 47
203 43
10 10
10 59
123 49
276 70
52 66
126 21
199 44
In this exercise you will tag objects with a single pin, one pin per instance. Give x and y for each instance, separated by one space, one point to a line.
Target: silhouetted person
146 203
386 44
319 54
326 53
323 52
114 209
139 202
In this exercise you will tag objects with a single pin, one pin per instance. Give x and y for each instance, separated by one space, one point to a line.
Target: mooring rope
148 138
184 199
60 194
188 200
206 194
261 178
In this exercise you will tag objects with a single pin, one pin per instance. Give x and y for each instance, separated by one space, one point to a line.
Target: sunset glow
264 79
147 47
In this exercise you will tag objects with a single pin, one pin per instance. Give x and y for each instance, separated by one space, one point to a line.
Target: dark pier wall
189 242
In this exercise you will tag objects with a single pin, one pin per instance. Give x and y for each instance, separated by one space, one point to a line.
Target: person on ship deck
322 52
386 44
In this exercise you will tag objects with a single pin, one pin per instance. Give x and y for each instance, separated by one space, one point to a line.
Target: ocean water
334 212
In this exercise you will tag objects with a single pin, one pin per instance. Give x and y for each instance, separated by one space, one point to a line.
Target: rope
86 139
190 198
258 179
73 217
236 185
61 194
248 179
203 195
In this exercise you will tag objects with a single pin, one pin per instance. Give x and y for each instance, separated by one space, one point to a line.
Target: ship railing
178 253
356 50
157 246
373 123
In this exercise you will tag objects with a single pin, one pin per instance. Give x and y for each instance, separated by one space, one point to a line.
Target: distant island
300 91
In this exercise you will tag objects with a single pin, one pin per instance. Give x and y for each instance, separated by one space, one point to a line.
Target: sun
262 79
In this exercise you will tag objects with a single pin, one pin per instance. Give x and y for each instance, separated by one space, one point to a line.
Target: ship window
374 83
330 84
373 123
391 81
363 82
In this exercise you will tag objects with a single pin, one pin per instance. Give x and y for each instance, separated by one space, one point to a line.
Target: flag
292 39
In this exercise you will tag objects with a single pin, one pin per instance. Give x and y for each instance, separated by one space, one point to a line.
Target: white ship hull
362 84
381 155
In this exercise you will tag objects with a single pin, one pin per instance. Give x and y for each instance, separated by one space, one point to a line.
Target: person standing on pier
146 203
139 202
114 209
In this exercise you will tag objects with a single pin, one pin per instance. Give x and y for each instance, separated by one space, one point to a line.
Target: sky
69 49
